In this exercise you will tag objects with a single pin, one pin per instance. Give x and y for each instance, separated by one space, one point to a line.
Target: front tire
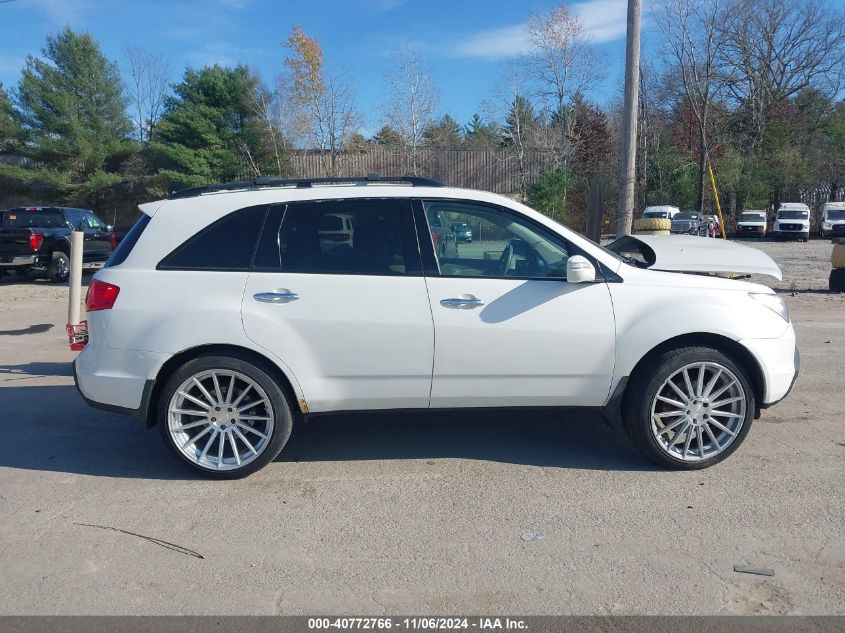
223 417
689 408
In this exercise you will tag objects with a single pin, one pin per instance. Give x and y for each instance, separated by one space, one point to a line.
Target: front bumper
750 230
796 234
779 360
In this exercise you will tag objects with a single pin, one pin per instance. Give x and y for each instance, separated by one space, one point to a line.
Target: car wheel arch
246 354
724 344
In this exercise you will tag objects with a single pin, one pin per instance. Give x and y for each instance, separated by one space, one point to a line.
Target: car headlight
772 302
828 225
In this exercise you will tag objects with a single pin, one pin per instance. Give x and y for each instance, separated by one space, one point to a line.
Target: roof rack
302 183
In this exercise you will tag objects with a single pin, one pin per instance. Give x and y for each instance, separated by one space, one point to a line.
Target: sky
465 43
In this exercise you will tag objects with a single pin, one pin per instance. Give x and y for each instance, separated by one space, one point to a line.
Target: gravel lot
420 514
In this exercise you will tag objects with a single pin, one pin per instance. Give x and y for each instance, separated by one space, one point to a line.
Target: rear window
227 244
23 218
295 241
128 242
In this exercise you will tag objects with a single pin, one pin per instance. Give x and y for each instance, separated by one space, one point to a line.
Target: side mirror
579 270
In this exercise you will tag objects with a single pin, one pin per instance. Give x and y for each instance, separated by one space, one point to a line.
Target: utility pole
625 213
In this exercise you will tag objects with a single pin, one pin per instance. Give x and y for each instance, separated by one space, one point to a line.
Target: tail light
35 241
100 296
113 241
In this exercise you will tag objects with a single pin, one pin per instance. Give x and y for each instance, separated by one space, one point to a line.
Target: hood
696 255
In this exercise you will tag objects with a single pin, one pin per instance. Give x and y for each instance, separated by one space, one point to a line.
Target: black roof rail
302 183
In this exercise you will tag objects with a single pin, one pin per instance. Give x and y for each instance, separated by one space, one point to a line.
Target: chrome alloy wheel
220 419
698 411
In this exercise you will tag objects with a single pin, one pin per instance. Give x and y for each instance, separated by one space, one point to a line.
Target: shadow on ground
52 429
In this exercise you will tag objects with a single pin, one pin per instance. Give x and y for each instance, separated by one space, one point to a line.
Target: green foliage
548 194
479 134
72 106
11 132
446 133
521 123
209 131
387 136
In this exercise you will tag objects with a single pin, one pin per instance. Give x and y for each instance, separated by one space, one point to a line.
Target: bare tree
266 107
564 64
693 36
412 104
324 111
149 77
521 128
776 48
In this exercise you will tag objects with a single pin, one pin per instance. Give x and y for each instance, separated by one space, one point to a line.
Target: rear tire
241 418
58 271
707 429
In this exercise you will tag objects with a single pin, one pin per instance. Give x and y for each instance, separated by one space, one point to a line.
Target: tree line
751 87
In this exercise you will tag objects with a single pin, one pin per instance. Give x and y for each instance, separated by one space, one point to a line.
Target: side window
363 237
502 243
93 221
74 218
227 244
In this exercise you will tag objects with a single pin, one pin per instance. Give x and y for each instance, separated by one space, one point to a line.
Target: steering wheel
505 261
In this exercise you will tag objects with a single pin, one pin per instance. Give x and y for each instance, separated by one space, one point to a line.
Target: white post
625 213
73 308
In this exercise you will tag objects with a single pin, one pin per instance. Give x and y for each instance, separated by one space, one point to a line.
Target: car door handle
465 302
282 296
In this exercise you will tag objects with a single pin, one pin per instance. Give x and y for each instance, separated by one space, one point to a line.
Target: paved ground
407 514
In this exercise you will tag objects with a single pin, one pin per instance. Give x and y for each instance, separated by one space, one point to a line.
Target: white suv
224 317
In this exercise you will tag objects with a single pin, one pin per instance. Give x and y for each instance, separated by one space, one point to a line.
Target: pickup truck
38 238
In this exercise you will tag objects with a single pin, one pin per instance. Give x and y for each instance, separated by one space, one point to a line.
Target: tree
774 49
10 128
209 131
478 134
446 133
324 102
564 64
693 36
412 103
387 136
74 113
149 76
520 134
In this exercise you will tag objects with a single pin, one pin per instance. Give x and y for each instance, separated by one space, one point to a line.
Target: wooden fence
491 170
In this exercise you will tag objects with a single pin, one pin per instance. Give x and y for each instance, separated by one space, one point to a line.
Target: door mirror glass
579 270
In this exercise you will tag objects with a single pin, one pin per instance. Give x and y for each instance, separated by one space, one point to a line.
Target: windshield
785 214
685 216
752 217
655 214
34 219
835 214
459 227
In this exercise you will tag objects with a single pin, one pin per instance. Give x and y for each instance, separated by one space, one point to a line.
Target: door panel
509 329
532 343
353 342
349 315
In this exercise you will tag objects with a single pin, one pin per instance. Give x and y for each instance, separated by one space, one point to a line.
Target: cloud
603 20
